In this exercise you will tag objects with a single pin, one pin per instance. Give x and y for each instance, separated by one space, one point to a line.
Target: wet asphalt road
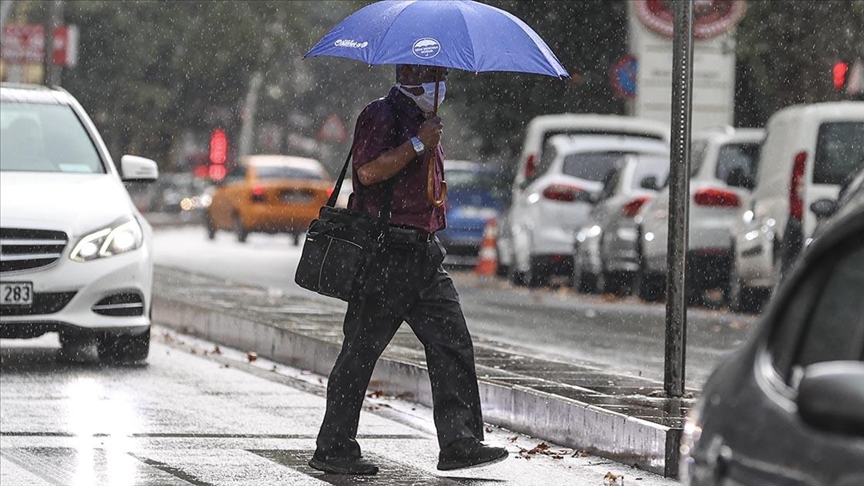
618 334
197 416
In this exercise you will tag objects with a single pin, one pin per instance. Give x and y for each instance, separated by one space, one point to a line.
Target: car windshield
283 172
839 152
737 155
592 166
38 137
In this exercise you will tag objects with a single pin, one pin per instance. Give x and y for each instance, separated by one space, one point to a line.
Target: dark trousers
408 285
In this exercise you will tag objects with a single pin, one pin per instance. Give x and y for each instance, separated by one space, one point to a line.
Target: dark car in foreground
788 408
473 198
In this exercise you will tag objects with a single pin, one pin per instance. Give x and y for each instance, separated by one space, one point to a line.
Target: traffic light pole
679 200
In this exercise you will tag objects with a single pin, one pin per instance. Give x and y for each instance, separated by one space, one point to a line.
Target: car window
836 327
545 161
610 183
839 151
45 138
657 167
592 166
283 172
824 318
742 156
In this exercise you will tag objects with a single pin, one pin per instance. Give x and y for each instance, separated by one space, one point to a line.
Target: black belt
401 234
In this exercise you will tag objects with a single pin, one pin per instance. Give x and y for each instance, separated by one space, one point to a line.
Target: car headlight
689 438
120 237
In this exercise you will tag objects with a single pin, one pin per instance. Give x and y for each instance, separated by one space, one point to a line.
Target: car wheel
650 287
123 348
583 282
239 229
616 283
211 228
743 298
538 273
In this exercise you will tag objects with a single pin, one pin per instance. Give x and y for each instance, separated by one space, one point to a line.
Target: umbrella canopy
457 34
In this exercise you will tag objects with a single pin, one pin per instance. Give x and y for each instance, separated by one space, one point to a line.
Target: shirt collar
405 104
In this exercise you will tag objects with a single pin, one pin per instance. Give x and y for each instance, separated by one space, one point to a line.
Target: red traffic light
218 147
840 71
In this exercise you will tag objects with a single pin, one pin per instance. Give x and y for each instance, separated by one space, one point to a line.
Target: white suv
552 203
75 254
718 156
809 152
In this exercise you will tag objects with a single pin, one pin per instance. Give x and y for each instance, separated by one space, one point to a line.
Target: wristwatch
419 148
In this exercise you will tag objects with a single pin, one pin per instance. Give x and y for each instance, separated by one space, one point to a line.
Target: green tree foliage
785 51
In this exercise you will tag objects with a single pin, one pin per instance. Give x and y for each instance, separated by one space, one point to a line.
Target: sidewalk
602 413
397 434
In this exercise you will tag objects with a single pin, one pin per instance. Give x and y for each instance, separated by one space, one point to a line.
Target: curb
565 421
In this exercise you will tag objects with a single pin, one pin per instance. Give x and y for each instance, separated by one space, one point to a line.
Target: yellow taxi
269 194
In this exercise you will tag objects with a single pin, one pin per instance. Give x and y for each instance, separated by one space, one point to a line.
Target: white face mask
426 101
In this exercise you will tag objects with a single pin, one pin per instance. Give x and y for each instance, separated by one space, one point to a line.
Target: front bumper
81 286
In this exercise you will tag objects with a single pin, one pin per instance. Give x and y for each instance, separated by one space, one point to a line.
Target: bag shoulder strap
388 186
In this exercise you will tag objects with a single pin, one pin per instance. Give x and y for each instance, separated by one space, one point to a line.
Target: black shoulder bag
341 245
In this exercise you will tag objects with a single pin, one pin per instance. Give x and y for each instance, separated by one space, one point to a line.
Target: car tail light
631 209
258 194
796 187
716 197
530 166
565 193
329 192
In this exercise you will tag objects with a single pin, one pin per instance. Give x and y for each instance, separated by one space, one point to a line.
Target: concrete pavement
584 408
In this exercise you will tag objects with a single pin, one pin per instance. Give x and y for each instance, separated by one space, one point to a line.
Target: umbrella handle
430 181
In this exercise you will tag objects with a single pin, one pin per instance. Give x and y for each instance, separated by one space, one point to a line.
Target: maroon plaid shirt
382 126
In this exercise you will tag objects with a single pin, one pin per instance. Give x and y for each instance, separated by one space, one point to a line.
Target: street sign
25 44
333 130
623 76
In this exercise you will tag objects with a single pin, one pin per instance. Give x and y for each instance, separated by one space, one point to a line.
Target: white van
808 153
538 132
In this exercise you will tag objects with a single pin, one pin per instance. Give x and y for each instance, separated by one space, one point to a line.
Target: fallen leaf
488 430
513 438
216 350
251 356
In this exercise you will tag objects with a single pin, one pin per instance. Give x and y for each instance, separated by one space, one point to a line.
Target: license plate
296 197
16 293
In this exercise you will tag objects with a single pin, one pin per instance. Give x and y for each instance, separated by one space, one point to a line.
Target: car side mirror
738 178
650 182
824 208
831 396
138 169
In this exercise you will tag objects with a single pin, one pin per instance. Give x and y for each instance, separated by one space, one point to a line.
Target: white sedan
75 253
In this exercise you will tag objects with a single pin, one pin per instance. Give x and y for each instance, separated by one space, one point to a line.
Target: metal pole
679 199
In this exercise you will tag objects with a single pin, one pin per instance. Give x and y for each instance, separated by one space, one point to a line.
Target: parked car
606 251
473 198
75 252
551 202
269 194
537 134
720 159
800 378
808 153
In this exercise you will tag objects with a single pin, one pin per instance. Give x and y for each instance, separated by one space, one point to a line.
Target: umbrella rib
392 23
470 37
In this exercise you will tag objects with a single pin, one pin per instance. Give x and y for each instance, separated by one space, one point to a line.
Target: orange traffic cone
487 263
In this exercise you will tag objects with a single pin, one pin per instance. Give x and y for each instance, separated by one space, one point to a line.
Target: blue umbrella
457 34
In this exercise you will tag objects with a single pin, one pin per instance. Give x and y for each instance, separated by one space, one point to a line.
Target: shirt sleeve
373 133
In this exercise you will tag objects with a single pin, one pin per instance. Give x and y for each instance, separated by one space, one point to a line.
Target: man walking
390 139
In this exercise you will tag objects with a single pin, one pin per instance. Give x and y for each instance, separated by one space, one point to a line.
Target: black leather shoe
344 465
467 453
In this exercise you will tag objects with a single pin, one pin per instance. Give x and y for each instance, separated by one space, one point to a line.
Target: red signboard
710 17
25 44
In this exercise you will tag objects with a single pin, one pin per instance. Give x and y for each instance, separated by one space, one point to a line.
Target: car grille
43 303
25 249
125 304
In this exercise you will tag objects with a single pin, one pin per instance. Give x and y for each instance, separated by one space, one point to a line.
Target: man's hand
430 132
